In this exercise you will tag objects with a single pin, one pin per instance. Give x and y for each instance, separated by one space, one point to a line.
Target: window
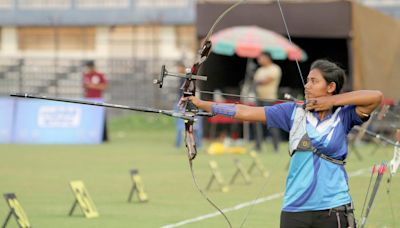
162 3
186 38
6 4
44 4
136 41
95 4
50 38
381 2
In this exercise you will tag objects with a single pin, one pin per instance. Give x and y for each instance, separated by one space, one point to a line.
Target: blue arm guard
224 109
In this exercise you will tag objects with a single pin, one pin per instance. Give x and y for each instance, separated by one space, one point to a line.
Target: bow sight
164 73
191 110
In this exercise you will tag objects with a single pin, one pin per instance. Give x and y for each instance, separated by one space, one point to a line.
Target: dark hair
90 63
266 53
180 63
331 73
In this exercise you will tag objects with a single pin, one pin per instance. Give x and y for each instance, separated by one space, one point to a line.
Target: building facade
45 43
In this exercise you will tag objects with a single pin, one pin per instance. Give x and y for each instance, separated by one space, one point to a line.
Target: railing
129 80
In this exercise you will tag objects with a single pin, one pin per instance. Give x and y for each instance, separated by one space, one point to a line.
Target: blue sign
6 119
48 122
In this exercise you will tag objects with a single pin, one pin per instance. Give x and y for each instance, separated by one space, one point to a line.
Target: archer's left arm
365 101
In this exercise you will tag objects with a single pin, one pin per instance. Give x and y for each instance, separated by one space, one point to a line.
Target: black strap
305 145
348 210
326 157
351 221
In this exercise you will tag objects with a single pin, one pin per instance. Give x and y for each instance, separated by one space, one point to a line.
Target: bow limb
189 89
393 167
395 162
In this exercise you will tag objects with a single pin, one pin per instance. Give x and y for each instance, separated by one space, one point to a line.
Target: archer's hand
196 101
320 103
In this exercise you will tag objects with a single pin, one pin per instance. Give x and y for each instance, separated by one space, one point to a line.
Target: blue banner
47 122
6 119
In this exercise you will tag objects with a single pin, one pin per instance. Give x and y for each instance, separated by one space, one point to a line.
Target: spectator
94 84
267 79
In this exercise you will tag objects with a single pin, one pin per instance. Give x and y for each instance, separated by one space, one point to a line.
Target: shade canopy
251 41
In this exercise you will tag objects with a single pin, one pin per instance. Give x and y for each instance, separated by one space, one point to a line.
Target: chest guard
299 141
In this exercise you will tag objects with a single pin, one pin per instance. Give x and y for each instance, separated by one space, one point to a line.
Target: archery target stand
17 211
256 163
84 200
216 176
137 186
240 170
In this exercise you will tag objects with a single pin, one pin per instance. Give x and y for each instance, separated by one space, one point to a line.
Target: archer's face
316 85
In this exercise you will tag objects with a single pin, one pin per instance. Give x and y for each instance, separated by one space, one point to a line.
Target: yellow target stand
137 186
256 163
84 200
16 210
240 170
216 176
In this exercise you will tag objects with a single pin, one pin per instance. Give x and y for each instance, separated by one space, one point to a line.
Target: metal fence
129 80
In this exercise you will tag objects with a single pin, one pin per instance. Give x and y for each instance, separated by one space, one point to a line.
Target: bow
189 89
393 167
189 86
381 170
393 164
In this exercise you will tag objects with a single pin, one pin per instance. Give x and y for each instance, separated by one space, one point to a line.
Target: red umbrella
251 41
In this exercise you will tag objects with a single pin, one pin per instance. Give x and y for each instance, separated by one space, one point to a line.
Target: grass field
39 175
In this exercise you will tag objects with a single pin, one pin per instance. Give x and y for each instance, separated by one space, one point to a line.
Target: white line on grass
243 205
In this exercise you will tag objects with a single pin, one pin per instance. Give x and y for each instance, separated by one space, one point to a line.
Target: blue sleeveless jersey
313 183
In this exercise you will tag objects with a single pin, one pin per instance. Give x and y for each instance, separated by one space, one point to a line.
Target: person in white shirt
267 79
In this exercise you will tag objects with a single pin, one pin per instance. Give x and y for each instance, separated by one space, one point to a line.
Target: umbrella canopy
251 41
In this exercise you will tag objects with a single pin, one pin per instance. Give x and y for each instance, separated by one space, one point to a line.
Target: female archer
317 192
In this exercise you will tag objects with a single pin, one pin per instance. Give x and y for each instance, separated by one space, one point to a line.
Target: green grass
39 175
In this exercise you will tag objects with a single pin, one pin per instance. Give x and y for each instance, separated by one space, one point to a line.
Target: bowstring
290 41
205 196
305 113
